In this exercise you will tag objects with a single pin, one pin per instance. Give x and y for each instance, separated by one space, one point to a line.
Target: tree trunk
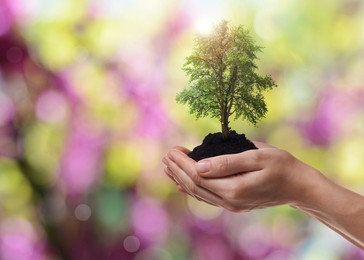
225 130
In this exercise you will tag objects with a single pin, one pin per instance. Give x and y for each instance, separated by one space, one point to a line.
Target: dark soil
214 145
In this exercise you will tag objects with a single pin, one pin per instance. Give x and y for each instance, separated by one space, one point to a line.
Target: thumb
226 165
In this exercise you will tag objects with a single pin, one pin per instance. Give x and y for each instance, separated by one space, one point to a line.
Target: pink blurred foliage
153 118
6 109
144 79
5 18
213 247
10 13
16 9
8 146
337 107
353 253
13 53
17 246
18 240
80 165
178 23
51 106
12 56
149 220
145 90
215 226
64 83
87 245
117 250
255 242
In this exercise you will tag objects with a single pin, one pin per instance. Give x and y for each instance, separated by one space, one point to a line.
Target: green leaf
222 76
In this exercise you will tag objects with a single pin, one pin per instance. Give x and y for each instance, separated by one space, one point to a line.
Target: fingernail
203 166
167 170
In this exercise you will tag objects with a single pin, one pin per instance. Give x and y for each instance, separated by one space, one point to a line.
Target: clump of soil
214 145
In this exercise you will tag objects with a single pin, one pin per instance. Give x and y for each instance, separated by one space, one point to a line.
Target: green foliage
223 79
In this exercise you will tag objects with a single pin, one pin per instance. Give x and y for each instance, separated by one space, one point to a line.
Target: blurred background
87 111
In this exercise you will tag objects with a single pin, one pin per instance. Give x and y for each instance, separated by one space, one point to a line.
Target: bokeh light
83 212
131 244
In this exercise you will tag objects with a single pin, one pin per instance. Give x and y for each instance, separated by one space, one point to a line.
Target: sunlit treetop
222 77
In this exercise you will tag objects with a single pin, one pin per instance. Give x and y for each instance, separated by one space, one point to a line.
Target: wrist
337 207
310 187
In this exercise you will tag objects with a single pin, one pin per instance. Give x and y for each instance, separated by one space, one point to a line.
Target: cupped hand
268 177
240 182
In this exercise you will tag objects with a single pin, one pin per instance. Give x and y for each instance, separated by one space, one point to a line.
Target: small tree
222 77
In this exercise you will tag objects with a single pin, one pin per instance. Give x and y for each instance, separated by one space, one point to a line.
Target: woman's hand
268 177
244 181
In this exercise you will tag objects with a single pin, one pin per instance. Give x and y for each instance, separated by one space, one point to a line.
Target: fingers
182 149
184 169
197 192
180 184
216 191
188 184
180 176
167 171
228 165
261 145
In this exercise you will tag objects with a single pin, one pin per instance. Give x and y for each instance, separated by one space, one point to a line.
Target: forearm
269 177
340 209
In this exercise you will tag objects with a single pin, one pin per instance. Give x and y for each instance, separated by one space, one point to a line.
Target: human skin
268 177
